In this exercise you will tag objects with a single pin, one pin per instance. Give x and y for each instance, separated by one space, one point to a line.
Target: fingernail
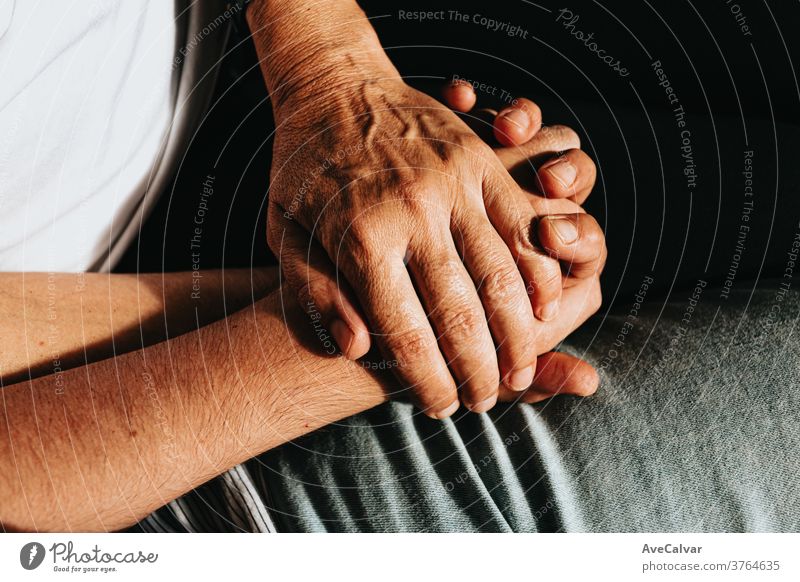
343 335
565 229
447 412
520 380
483 405
564 172
517 117
548 312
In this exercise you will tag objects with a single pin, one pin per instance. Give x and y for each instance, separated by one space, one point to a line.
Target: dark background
740 93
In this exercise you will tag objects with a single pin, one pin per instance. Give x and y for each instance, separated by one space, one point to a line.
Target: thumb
311 275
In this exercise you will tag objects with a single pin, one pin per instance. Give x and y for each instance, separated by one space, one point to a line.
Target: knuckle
601 263
314 293
594 239
305 297
419 201
595 298
410 190
503 282
311 290
417 190
412 346
591 169
357 240
358 236
546 277
565 137
590 231
451 269
463 322
474 146
523 237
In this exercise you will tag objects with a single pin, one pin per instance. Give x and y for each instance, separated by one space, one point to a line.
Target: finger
510 212
518 123
503 295
549 141
459 321
311 275
579 302
514 125
557 373
523 161
390 301
570 175
459 95
562 373
576 240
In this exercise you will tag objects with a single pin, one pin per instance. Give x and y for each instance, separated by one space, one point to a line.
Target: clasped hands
403 228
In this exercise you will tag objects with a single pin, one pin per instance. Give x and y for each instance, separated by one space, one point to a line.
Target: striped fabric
233 502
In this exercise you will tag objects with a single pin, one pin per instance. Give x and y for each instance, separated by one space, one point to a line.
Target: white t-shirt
86 101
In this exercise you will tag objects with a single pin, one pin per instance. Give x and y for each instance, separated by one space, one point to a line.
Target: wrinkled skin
387 208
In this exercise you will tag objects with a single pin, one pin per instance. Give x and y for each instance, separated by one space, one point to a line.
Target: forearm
99 447
50 322
309 47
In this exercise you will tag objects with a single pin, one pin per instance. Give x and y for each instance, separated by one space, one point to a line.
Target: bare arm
310 47
98 447
55 321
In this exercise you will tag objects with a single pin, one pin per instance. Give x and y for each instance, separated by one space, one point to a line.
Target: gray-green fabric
696 427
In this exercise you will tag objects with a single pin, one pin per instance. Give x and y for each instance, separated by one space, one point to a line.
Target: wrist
308 58
294 385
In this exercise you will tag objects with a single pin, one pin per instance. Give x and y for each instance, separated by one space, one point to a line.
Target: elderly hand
533 154
433 237
382 184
